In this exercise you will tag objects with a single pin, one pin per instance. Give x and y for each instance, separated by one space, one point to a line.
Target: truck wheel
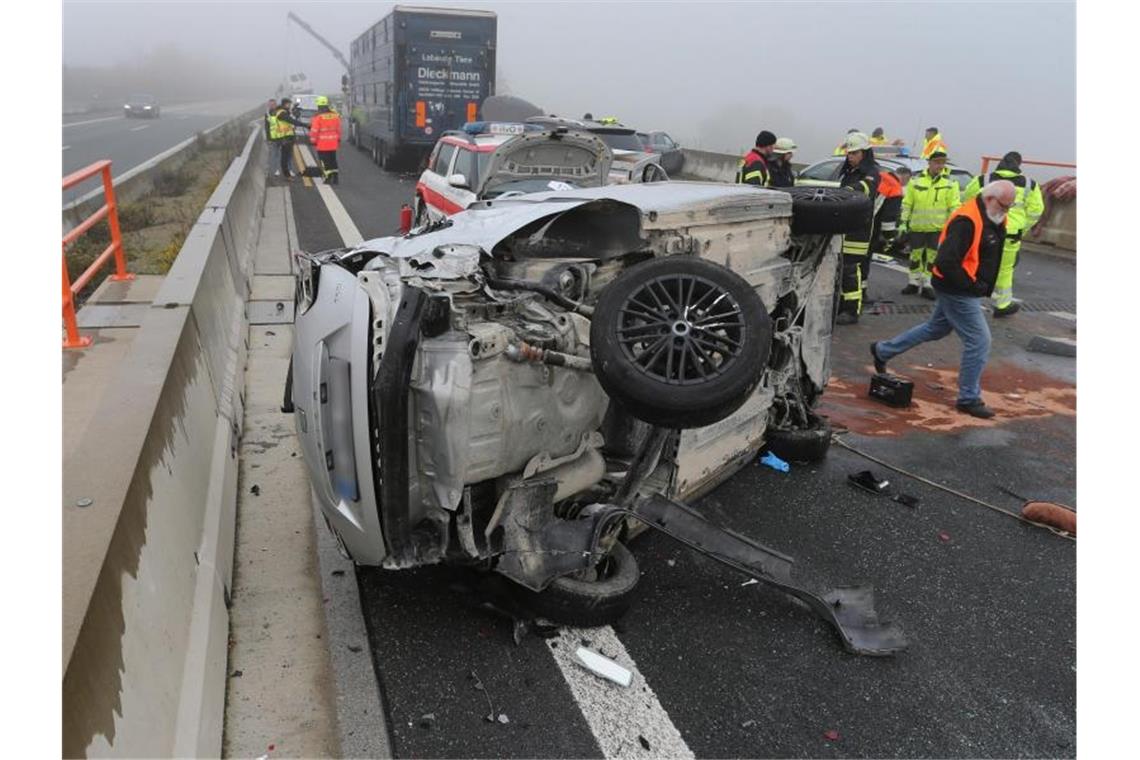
801 446
589 602
387 160
828 210
679 341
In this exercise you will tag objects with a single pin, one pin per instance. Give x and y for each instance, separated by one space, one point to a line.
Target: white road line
1070 316
92 121
136 129
894 266
344 225
617 715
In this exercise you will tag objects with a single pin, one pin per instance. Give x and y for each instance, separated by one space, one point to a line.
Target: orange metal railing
109 211
986 163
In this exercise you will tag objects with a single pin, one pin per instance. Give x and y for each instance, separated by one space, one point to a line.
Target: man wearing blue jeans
964 272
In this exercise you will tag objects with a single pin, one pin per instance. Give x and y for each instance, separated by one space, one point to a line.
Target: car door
433 187
671 156
822 174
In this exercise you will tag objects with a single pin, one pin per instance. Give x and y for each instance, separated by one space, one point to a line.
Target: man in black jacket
964 272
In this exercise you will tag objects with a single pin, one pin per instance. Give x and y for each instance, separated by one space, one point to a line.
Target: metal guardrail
109 211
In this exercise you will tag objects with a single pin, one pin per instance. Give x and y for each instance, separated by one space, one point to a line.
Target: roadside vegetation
155 225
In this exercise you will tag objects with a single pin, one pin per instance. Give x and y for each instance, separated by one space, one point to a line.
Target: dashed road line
136 129
344 224
92 121
623 719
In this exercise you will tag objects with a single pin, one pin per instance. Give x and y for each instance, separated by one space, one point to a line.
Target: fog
993 77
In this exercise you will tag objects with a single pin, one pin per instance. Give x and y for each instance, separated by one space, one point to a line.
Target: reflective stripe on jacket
969 252
889 185
929 201
284 128
1028 204
753 169
324 130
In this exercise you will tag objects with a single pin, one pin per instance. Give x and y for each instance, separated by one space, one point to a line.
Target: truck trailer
415 74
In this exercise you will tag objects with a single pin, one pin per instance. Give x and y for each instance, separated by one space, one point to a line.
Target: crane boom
332 48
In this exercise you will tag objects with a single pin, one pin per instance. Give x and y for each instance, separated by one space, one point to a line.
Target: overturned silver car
526 385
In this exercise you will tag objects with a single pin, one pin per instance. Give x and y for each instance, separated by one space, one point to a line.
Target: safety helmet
856 141
784 145
322 101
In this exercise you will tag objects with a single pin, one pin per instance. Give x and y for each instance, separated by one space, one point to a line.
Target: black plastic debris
354 648
427 721
338 573
906 500
644 742
255 490
869 482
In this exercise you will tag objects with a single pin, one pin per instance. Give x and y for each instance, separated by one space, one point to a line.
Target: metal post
121 272
73 339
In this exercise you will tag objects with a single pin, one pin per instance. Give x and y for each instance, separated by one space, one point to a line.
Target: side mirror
458 180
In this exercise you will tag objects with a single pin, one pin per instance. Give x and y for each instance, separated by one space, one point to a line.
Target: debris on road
503 718
943 536
427 721
749 582
773 461
255 490
748 724
906 500
1049 513
604 667
490 716
831 735
868 481
644 742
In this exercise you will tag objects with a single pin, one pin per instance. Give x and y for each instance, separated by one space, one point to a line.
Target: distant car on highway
141 107
499 160
670 151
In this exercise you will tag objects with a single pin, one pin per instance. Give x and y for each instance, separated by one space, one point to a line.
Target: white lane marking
344 225
894 266
136 129
92 121
617 715
1070 316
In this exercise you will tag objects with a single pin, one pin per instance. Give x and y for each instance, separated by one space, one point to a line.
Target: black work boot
909 290
975 409
1010 310
928 292
880 365
846 318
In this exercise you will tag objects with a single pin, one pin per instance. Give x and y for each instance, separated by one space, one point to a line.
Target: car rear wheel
827 210
601 596
679 341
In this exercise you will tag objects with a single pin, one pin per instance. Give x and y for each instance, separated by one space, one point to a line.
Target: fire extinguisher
405 219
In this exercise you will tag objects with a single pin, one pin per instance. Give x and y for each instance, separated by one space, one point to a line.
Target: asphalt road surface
724 669
130 142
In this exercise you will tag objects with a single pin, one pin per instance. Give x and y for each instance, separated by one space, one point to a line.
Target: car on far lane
141 107
825 173
670 151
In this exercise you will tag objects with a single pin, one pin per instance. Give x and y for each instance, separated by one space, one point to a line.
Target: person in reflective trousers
1027 209
325 134
860 173
929 199
965 269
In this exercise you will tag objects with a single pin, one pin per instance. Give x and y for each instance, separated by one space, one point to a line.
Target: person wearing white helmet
780 173
860 173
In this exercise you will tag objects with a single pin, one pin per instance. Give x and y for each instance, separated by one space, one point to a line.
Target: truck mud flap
850 610
390 399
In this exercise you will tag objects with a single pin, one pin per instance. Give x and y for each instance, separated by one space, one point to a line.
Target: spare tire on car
828 210
680 341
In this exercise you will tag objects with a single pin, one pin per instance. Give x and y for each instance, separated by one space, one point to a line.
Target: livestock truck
415 74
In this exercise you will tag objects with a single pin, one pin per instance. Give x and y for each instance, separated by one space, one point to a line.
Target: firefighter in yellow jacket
930 197
1028 205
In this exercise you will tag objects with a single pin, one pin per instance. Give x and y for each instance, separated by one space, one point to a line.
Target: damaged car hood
554 156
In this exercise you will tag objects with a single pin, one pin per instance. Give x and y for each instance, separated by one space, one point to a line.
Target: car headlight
146 108
308 277
127 107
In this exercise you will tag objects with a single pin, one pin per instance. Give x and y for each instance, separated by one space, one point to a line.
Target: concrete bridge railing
148 558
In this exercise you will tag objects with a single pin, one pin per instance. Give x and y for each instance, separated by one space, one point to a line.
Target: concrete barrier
148 563
1061 231
139 180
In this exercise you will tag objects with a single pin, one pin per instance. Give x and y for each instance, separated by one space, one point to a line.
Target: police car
494 160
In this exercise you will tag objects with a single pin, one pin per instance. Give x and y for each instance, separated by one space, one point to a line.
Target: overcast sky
992 76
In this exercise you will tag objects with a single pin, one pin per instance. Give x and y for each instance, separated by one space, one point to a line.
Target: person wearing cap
933 143
780 169
286 135
754 166
860 173
930 197
1027 209
325 134
841 148
969 256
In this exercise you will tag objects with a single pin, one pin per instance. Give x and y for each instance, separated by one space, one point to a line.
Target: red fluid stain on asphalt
944 537
1012 392
831 735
